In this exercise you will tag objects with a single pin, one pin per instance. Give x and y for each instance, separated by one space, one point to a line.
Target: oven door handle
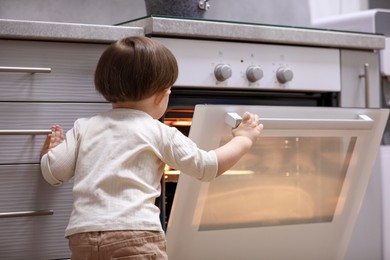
361 122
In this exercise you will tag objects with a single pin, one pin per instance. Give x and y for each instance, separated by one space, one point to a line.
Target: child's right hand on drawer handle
52 140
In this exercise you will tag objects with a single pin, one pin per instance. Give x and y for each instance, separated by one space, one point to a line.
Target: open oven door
295 195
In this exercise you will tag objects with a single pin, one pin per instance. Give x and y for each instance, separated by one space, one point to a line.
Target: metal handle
233 119
25 69
386 91
25 132
26 213
204 5
361 122
366 84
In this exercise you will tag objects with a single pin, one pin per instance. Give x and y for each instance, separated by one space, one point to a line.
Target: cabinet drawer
39 236
25 116
71 66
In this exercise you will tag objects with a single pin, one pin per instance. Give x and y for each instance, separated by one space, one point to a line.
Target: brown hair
135 68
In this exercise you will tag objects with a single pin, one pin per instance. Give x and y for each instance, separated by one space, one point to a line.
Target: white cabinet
65 71
21 116
359 73
41 83
33 214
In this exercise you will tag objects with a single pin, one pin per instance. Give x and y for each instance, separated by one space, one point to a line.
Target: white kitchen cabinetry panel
18 116
41 83
359 73
63 71
33 214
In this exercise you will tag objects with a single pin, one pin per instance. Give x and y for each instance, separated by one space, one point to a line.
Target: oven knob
222 72
254 73
284 74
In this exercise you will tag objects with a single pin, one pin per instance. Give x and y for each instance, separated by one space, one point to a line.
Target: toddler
117 158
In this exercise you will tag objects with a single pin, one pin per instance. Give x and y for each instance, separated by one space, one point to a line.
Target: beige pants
119 245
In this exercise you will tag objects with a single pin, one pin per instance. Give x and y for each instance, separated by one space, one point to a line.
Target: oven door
295 195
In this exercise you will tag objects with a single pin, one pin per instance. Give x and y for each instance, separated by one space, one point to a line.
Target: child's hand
52 140
250 127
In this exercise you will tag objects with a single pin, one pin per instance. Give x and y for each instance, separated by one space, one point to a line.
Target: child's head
135 68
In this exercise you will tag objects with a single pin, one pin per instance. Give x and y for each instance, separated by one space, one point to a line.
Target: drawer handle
25 132
26 213
25 69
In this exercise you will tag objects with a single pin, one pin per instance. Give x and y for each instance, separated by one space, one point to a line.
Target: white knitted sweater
117 160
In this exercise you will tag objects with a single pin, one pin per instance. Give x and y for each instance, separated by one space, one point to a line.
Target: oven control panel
220 64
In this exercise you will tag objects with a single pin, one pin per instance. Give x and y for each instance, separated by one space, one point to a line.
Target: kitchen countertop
189 28
224 30
34 30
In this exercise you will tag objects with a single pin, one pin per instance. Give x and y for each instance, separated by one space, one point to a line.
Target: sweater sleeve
58 165
46 171
184 155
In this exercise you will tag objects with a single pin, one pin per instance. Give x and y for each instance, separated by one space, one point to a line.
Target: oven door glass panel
283 181
295 195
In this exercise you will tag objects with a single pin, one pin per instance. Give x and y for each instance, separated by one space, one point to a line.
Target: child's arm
244 137
58 156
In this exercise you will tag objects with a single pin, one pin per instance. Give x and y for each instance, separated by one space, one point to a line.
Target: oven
298 193
182 104
190 89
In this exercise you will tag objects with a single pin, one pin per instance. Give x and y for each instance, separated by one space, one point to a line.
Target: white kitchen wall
285 12
106 12
321 8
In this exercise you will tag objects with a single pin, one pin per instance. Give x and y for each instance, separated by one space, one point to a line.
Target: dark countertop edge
35 30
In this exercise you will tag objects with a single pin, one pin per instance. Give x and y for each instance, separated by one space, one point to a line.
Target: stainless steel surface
16 29
25 69
25 132
366 77
254 73
204 4
361 122
386 91
225 65
27 213
233 119
163 26
284 75
222 72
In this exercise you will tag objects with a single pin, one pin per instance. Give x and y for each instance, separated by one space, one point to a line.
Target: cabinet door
355 79
33 214
48 71
17 116
355 87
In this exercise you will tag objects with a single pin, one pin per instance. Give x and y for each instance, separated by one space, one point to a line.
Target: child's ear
161 95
